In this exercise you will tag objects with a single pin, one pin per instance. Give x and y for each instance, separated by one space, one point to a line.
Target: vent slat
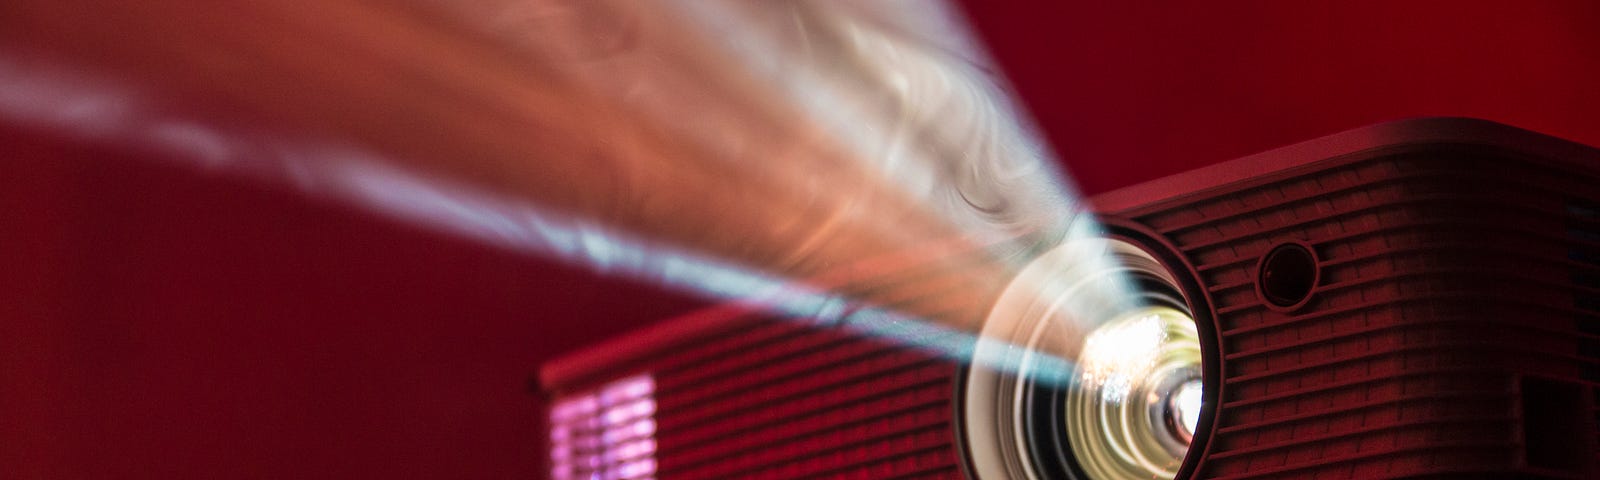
806 400
847 398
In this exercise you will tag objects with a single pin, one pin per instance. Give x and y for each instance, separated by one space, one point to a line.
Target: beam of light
859 164
62 100
68 101
898 94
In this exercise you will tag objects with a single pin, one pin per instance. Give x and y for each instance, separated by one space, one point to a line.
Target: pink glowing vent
607 434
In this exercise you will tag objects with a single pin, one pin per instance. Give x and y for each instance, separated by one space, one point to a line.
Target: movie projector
1411 299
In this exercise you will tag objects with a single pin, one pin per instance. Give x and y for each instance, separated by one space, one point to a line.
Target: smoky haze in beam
820 158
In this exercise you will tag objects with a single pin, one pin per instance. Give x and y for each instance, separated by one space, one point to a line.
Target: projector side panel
764 398
1445 307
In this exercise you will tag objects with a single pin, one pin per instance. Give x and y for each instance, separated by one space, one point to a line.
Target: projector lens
1133 410
1085 387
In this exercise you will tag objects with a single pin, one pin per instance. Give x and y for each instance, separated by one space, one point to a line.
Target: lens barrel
1132 402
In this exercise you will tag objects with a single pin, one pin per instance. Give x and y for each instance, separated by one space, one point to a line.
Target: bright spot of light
1120 354
1187 401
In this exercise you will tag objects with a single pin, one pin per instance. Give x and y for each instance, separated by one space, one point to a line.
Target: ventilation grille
1583 231
1441 283
607 434
775 399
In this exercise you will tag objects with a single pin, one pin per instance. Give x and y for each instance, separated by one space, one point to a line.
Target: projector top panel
1366 142
1389 137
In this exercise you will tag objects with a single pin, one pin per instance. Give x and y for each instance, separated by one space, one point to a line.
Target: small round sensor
1287 275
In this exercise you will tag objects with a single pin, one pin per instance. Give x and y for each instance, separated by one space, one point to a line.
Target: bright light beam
798 155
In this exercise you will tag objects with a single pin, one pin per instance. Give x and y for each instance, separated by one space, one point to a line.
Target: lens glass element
1087 370
1133 410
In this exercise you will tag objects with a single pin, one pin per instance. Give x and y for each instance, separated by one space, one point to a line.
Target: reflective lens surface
1133 409
1183 408
1093 387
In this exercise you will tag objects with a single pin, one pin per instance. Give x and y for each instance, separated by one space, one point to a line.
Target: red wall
1132 92
161 323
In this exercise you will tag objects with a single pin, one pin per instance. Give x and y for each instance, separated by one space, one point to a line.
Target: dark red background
157 322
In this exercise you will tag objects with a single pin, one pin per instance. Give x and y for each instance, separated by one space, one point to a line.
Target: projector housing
1412 299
